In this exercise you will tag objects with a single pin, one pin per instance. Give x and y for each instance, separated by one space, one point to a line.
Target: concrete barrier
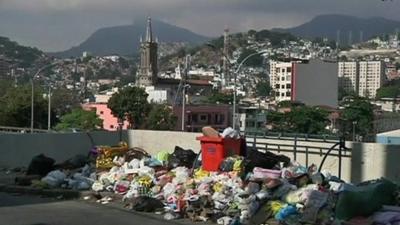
155 141
366 161
18 149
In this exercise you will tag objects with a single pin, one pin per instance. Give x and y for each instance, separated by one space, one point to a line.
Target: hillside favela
256 112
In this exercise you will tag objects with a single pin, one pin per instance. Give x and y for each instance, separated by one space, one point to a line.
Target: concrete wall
155 141
18 149
373 160
365 161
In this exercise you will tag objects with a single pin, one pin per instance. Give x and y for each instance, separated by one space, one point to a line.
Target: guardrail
323 146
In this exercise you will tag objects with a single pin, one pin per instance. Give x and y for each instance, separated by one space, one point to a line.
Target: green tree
161 117
80 119
360 112
263 89
300 119
130 103
277 120
255 60
63 101
15 107
388 92
308 120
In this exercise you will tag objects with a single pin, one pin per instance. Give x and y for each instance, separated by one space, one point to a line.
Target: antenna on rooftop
337 39
350 37
226 53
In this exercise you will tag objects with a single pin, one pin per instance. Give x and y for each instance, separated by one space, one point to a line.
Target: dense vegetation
25 56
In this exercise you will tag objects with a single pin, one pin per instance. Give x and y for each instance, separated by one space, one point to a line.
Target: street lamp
234 119
32 94
234 83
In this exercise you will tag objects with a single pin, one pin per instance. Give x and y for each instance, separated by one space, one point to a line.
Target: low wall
155 141
365 161
373 160
18 149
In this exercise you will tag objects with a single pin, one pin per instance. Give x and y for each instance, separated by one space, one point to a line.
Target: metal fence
323 146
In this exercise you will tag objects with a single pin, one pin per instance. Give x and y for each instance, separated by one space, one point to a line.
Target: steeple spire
149 33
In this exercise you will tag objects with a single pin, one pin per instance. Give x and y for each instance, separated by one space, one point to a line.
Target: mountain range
125 40
349 29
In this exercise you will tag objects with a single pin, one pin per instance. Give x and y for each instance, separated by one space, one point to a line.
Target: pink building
110 122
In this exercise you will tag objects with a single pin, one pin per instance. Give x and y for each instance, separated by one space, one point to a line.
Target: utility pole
187 67
350 38
32 105
226 53
49 110
337 39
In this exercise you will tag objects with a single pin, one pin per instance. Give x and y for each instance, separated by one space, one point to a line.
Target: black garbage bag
40 165
267 160
146 204
181 157
75 162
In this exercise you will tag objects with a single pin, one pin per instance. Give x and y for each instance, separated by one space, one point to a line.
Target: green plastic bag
365 200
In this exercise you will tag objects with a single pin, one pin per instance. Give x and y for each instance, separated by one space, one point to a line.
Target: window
288 94
277 86
288 86
289 69
203 117
194 118
101 112
111 126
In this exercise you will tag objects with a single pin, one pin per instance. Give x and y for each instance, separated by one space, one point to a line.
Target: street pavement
36 210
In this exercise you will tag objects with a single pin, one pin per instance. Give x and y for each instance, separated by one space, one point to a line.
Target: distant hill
124 40
21 55
329 25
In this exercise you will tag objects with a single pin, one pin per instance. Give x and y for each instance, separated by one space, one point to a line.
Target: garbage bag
40 165
365 200
181 157
75 162
267 160
54 178
136 153
146 204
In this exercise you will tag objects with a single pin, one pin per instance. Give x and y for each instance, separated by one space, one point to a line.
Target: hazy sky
59 24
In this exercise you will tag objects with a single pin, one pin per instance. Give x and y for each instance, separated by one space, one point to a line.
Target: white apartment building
281 79
348 73
363 78
371 78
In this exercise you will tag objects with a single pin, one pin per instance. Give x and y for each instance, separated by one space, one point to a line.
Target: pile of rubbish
255 188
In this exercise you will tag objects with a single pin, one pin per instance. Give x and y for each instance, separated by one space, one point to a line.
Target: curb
53 193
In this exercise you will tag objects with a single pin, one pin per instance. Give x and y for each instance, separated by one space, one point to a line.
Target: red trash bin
215 149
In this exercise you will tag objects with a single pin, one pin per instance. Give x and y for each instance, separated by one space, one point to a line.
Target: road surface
34 210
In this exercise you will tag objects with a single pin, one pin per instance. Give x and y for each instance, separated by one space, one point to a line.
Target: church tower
148 69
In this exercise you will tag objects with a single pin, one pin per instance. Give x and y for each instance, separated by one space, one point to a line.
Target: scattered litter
229 191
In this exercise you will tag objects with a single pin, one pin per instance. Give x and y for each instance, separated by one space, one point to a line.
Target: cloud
59 24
